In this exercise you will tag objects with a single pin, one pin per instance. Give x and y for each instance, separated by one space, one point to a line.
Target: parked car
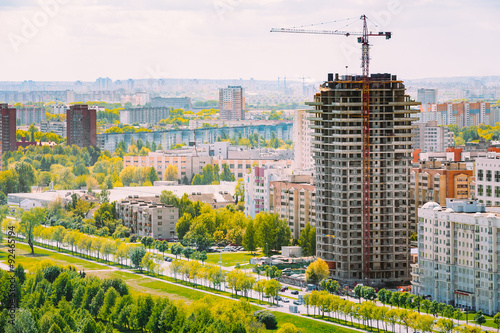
167 259
296 303
285 300
294 292
283 289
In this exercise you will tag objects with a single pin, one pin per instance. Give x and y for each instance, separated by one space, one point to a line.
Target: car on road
285 300
297 303
167 259
294 292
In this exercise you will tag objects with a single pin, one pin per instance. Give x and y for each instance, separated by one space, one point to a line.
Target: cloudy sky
121 39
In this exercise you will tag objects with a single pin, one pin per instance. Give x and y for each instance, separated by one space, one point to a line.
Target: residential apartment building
294 201
488 179
141 115
147 217
458 255
427 96
7 128
240 167
30 115
231 103
429 137
303 158
338 156
58 127
167 138
257 186
216 200
438 181
172 102
460 114
81 126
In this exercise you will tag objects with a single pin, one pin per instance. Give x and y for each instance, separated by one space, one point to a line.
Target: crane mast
363 39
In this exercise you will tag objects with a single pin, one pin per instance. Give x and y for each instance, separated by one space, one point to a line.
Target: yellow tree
29 220
317 271
259 287
171 173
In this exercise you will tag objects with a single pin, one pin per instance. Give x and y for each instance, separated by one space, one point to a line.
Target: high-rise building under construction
337 124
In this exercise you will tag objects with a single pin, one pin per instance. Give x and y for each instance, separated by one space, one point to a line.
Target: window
479 189
497 176
479 174
488 190
488 175
497 191
159 223
159 217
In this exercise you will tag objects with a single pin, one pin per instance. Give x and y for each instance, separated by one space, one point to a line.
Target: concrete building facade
30 115
231 103
7 128
338 147
150 115
172 102
487 183
458 255
432 138
58 127
460 114
303 159
81 126
147 217
438 181
295 202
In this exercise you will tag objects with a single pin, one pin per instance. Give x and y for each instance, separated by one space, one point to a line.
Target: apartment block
231 103
150 115
293 201
257 186
488 179
338 156
427 96
30 115
58 127
81 126
303 159
458 255
460 114
147 217
7 128
429 137
172 102
438 181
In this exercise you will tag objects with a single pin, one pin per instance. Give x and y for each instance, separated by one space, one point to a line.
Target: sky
68 40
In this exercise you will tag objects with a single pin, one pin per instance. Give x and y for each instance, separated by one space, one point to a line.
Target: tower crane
363 39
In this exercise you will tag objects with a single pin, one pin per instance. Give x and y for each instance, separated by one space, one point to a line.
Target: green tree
23 323
479 318
496 320
239 190
29 220
183 225
152 175
444 325
307 240
136 255
26 178
249 242
226 175
176 249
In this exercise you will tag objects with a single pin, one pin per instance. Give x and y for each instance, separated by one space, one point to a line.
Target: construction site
363 241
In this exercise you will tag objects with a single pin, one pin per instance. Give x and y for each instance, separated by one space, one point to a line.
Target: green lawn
24 257
231 258
309 326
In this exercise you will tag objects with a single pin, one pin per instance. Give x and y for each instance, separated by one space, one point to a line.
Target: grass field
24 257
231 258
309 326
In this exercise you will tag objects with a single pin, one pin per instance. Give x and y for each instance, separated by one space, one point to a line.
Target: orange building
436 181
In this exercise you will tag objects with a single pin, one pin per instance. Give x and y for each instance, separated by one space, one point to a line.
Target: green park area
232 258
25 258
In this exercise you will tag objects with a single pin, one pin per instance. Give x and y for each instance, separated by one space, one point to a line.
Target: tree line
59 299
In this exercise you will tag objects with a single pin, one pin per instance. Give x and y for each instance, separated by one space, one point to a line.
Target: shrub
268 319
133 238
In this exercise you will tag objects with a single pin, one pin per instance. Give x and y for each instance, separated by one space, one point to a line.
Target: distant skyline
69 40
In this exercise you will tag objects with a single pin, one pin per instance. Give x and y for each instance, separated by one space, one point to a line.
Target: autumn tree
317 271
29 220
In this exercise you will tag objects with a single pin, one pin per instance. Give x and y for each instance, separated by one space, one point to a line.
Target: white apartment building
58 127
432 138
303 158
257 186
144 115
458 255
147 217
488 179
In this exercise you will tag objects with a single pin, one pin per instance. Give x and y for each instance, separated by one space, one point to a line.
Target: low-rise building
147 217
458 255
215 200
